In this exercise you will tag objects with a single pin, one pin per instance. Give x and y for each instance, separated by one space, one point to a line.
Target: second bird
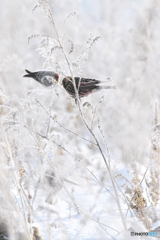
84 86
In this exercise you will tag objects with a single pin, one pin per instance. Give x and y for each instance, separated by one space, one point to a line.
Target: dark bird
84 86
43 77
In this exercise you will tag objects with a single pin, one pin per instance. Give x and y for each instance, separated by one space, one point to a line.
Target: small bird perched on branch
43 77
84 86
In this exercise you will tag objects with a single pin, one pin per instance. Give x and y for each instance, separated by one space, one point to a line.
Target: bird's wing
70 89
44 77
85 82
81 83
47 81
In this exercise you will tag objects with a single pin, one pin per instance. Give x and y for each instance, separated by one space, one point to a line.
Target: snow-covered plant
88 170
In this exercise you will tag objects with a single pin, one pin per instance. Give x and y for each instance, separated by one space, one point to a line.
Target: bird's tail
107 87
29 74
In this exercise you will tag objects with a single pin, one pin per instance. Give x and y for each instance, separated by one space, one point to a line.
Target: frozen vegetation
85 171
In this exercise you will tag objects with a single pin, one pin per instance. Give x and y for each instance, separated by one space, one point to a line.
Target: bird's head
66 81
56 76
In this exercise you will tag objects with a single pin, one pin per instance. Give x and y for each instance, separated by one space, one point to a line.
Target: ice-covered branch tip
72 14
36 35
44 5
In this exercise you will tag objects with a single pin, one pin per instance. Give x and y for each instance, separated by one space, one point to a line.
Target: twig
48 125
144 174
100 223
95 110
71 198
35 193
52 117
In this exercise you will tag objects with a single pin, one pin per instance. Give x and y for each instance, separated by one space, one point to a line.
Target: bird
84 86
43 77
